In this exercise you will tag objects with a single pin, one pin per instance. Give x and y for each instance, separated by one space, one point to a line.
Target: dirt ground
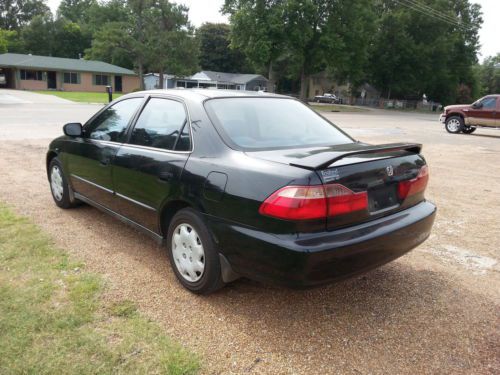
433 311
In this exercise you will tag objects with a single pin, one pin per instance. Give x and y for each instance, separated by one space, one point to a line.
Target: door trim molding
92 183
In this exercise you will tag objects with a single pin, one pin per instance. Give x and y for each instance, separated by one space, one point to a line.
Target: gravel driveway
435 310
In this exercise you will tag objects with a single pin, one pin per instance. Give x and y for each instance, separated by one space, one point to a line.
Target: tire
59 185
469 130
193 254
454 124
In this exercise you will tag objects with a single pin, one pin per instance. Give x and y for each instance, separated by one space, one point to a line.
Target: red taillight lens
342 200
415 185
313 202
296 203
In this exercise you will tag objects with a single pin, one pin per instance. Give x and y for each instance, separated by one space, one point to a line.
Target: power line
430 12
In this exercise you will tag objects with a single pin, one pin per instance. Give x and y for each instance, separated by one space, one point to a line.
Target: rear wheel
469 130
454 124
193 254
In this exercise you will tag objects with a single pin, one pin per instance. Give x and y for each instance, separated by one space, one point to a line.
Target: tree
76 10
10 41
417 52
215 51
38 36
257 30
489 75
14 14
170 40
304 36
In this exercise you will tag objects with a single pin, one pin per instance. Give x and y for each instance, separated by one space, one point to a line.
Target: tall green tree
215 51
257 30
10 41
171 45
489 75
14 14
76 10
417 51
310 36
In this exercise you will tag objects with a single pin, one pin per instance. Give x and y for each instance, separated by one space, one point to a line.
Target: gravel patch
428 312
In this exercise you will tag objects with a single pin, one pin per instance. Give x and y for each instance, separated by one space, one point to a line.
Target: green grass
337 108
54 320
84 97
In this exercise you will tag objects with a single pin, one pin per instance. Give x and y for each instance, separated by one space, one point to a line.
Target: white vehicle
326 98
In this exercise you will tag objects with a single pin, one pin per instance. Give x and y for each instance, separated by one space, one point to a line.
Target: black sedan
244 184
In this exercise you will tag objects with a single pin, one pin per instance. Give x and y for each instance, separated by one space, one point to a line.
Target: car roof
202 94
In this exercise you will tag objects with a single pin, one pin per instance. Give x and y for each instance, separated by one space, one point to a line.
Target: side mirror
73 129
477 105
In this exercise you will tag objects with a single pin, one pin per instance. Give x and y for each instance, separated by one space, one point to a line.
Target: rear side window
489 103
267 123
162 124
110 125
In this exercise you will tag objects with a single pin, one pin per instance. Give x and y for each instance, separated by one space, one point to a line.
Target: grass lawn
85 97
336 108
53 319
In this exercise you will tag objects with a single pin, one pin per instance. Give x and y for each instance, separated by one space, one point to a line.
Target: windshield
267 123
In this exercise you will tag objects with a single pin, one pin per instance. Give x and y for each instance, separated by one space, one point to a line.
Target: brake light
416 185
313 202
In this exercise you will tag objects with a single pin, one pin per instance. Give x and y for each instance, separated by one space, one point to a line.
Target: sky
201 11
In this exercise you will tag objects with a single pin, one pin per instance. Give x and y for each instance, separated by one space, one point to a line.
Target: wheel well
456 114
168 212
51 155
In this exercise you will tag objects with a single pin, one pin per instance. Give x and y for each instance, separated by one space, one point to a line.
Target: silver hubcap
453 125
56 183
188 253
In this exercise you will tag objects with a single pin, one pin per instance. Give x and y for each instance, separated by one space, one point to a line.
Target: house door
51 80
118 84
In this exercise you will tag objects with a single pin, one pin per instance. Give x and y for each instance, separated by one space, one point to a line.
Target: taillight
313 202
416 185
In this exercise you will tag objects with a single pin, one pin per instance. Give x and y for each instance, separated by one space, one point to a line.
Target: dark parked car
244 184
326 98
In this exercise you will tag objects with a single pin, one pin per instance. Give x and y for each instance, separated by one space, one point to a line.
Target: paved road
27 115
435 310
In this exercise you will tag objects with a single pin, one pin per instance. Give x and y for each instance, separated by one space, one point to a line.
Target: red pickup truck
465 118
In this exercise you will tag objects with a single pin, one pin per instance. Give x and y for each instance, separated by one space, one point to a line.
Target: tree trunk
304 78
141 77
271 86
160 77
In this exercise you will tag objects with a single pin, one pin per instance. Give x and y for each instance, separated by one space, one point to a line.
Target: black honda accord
244 184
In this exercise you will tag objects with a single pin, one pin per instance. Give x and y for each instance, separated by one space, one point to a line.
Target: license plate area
382 198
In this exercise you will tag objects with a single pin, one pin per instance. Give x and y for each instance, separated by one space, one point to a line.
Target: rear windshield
269 123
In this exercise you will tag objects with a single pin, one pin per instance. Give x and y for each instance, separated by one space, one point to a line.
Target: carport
7 78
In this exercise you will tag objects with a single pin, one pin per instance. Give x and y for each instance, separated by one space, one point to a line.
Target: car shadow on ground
485 135
396 308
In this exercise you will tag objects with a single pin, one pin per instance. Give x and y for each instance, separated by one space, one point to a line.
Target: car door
485 114
89 158
147 169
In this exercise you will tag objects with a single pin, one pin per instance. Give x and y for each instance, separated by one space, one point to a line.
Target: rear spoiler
325 159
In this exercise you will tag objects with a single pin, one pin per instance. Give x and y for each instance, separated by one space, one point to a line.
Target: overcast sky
208 11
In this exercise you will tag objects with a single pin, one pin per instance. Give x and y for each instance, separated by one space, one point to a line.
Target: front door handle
104 162
166 176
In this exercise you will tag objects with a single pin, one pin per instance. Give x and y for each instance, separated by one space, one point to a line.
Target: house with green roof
31 72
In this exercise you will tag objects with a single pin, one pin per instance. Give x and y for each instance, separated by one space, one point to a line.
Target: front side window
101 80
71 77
489 103
111 124
267 123
31 75
162 124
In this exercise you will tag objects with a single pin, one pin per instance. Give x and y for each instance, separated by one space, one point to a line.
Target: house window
101 80
71 77
31 75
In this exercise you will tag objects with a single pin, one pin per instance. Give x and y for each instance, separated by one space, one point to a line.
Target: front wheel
193 254
59 186
469 130
454 124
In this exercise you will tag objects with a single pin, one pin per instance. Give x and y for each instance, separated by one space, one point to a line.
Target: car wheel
469 130
193 254
454 124
59 185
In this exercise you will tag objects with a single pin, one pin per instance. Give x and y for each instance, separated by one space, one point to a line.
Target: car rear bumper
316 258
